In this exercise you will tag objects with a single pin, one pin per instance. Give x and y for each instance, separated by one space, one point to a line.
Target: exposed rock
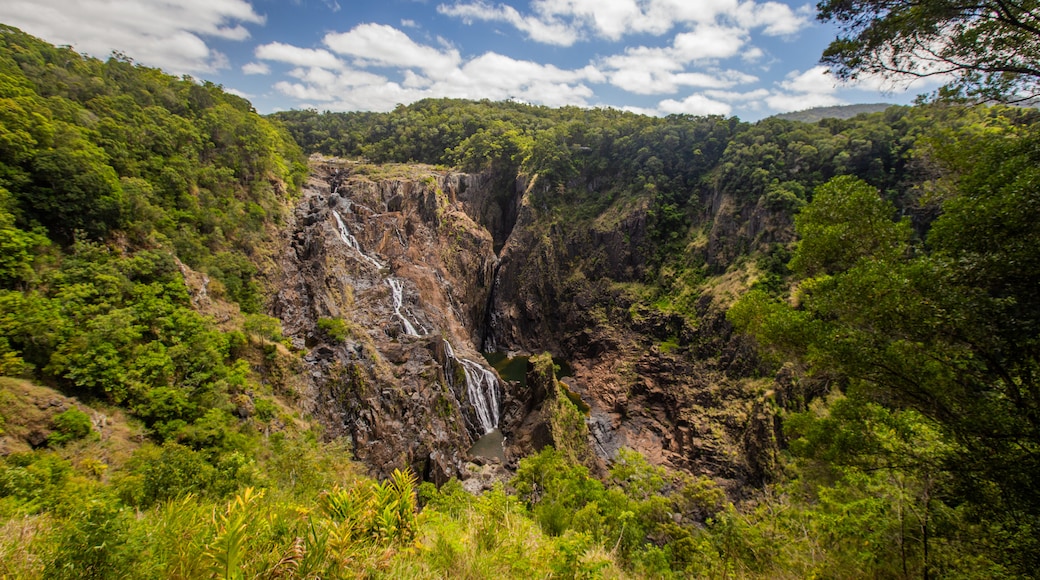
549 417
478 478
678 389
426 266
409 273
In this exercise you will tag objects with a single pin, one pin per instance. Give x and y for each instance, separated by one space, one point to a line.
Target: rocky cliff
394 277
672 383
385 281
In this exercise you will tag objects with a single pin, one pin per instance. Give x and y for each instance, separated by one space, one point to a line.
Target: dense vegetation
905 314
910 330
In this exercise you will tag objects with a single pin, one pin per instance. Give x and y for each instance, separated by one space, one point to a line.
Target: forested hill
817 114
832 329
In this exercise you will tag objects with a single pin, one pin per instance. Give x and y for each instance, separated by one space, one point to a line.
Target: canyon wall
395 277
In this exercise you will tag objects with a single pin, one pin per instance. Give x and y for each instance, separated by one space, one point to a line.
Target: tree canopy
991 48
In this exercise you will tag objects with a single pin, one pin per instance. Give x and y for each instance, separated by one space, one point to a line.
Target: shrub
334 328
69 426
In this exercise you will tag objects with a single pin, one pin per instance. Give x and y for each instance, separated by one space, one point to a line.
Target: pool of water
515 368
491 445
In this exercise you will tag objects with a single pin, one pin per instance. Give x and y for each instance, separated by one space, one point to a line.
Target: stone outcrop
427 267
394 260
677 388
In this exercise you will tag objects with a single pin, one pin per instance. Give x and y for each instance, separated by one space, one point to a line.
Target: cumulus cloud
238 93
170 35
710 41
704 34
256 68
774 18
753 54
648 71
614 19
805 90
305 57
546 30
695 104
738 97
382 45
348 81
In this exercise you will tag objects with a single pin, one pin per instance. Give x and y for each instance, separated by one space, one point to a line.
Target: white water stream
396 286
351 241
397 293
481 389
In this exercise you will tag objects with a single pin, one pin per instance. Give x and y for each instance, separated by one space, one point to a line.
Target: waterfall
351 241
481 389
397 294
396 286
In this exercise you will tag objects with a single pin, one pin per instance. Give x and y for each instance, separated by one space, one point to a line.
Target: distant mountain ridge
816 114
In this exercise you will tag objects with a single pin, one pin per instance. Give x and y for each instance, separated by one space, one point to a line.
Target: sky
747 58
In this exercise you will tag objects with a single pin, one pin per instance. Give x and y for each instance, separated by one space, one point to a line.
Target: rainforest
474 339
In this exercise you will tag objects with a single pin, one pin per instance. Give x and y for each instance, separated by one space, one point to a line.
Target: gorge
408 383
474 339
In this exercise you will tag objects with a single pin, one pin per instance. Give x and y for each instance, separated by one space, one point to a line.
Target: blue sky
748 58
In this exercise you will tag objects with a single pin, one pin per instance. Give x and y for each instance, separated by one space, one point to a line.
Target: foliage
845 209
69 426
914 308
946 331
115 179
335 328
991 47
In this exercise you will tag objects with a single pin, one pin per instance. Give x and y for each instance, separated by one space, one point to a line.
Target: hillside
817 114
780 349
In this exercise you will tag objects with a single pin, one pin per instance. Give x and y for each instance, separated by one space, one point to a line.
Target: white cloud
569 20
695 104
713 31
496 76
382 45
785 102
422 71
738 97
305 57
611 19
708 41
256 68
169 35
814 80
545 30
238 93
409 23
641 111
804 90
753 54
774 18
649 71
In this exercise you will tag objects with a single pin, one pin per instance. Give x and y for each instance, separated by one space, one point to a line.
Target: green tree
846 221
991 47
950 333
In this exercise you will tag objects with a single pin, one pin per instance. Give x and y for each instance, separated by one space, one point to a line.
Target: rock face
424 268
677 388
406 275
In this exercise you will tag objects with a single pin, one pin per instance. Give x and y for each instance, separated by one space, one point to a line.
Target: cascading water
396 286
351 241
481 389
397 293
